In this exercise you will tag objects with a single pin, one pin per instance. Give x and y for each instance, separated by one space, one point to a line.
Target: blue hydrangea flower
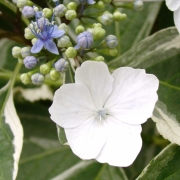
45 36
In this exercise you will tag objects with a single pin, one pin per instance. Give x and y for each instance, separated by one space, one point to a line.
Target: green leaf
152 50
137 26
164 166
11 135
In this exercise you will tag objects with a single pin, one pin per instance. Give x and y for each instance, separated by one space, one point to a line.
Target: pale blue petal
51 46
57 32
91 2
38 45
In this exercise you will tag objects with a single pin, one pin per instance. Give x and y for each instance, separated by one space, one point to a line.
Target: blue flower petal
38 45
57 32
51 46
90 1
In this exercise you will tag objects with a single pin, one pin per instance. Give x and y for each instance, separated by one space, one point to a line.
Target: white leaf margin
166 123
12 119
35 94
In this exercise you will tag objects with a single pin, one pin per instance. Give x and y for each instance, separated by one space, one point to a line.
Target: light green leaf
164 166
166 123
154 49
11 136
137 26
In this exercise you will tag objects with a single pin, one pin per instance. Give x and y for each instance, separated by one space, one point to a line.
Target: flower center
101 114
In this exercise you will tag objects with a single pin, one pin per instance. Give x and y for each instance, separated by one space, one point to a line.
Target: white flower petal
96 76
133 97
123 143
72 105
173 5
87 139
177 19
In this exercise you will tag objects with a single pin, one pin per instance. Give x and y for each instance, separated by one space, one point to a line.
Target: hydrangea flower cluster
100 110
48 31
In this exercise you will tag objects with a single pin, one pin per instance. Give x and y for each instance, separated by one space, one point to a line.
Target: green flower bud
30 3
25 78
54 75
72 6
98 33
95 25
64 27
107 1
113 52
33 40
60 10
21 3
64 41
138 5
37 79
26 51
70 15
45 68
100 5
99 58
106 18
118 16
28 34
47 13
79 29
16 52
109 52
71 52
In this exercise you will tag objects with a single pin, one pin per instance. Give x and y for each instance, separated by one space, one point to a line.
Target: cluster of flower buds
53 46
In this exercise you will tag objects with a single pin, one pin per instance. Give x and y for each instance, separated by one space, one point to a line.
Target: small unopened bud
79 29
113 52
100 5
64 41
30 62
61 65
98 33
47 13
45 68
111 41
70 15
16 52
118 16
72 6
26 51
71 52
99 58
28 12
25 78
28 33
21 3
33 41
54 75
96 25
106 18
42 22
84 40
138 5
60 10
64 27
37 79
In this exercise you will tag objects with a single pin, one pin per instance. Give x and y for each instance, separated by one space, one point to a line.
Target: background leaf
11 135
164 166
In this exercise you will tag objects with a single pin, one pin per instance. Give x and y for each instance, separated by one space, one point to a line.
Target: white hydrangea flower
174 5
102 113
